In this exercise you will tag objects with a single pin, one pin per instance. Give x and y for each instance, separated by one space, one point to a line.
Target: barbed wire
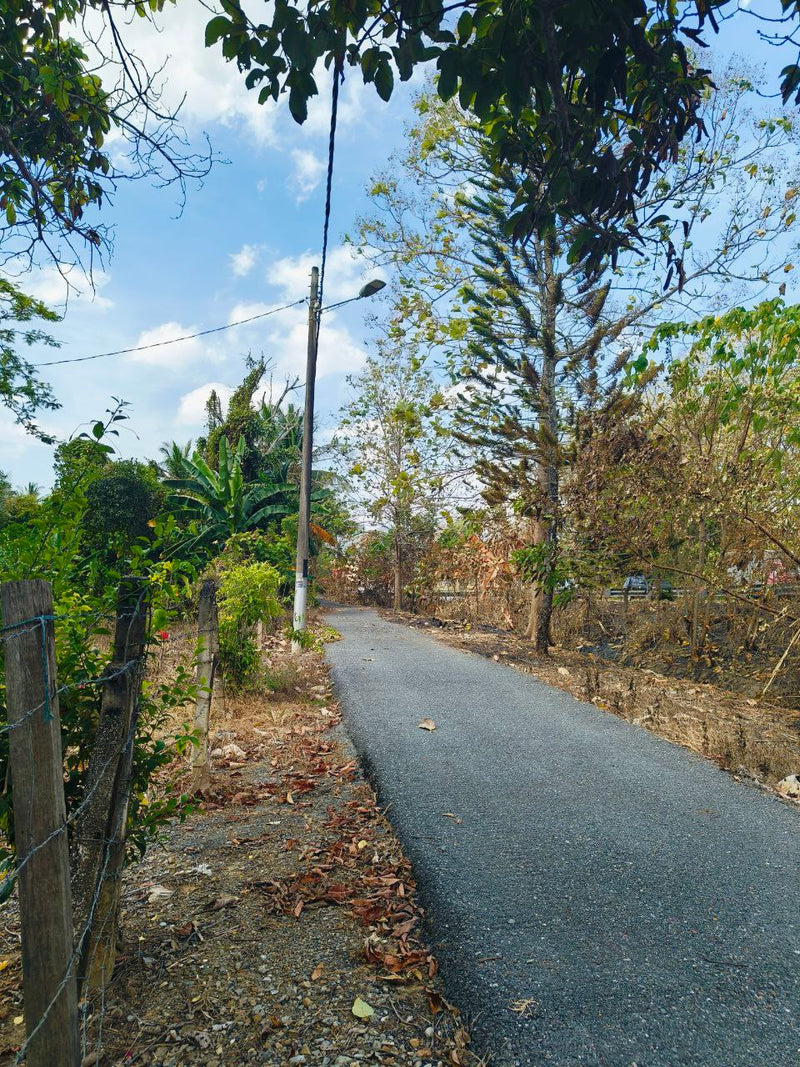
78 945
101 838
113 838
76 812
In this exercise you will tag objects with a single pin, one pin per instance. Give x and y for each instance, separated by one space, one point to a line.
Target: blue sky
244 242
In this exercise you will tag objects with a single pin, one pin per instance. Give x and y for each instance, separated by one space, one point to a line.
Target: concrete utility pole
301 563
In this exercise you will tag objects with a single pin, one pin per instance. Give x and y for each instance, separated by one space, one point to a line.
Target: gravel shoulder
595 895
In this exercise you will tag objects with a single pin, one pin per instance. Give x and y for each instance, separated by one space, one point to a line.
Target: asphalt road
636 904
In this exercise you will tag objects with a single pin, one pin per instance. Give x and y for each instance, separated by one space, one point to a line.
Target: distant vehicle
636 584
661 589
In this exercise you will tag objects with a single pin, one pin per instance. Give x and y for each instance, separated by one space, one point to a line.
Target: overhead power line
172 340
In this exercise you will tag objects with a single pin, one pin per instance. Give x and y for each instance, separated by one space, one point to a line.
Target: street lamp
301 561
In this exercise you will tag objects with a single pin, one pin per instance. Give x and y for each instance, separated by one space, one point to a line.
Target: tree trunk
398 575
545 530
541 602
206 667
698 604
100 836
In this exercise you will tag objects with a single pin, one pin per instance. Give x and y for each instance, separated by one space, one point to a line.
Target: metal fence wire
65 927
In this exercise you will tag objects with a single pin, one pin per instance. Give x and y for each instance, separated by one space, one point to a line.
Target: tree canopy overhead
591 98
68 82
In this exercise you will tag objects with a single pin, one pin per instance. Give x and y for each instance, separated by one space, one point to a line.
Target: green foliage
389 441
272 432
51 541
79 461
174 458
55 115
304 638
119 503
222 499
157 746
277 549
57 119
21 389
84 624
312 638
247 594
744 359
588 95
240 424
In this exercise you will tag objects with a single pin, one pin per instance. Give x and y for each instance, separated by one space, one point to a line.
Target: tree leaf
361 1009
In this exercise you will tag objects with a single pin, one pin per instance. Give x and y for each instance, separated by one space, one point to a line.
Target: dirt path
251 934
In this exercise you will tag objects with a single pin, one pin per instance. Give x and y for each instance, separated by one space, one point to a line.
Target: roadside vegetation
606 463
574 444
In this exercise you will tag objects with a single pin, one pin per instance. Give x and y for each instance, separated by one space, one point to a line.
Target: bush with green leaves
273 547
247 595
82 630
52 545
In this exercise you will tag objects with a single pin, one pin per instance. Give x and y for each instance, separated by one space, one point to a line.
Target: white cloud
245 310
243 261
199 80
306 175
60 288
287 344
192 405
345 273
175 355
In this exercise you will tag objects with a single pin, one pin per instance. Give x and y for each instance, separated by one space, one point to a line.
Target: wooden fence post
207 658
99 852
37 776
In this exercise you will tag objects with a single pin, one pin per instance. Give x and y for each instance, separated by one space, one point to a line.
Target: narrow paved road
638 905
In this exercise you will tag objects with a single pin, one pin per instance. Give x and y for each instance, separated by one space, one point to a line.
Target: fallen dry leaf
361 1009
158 892
434 1000
427 724
223 902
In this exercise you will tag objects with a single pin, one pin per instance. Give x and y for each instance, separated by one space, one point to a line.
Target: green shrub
271 547
247 594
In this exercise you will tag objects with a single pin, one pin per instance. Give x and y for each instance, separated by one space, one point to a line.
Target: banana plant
223 500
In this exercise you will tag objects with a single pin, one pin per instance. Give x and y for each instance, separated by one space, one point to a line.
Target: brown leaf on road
427 724
223 902
435 1000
